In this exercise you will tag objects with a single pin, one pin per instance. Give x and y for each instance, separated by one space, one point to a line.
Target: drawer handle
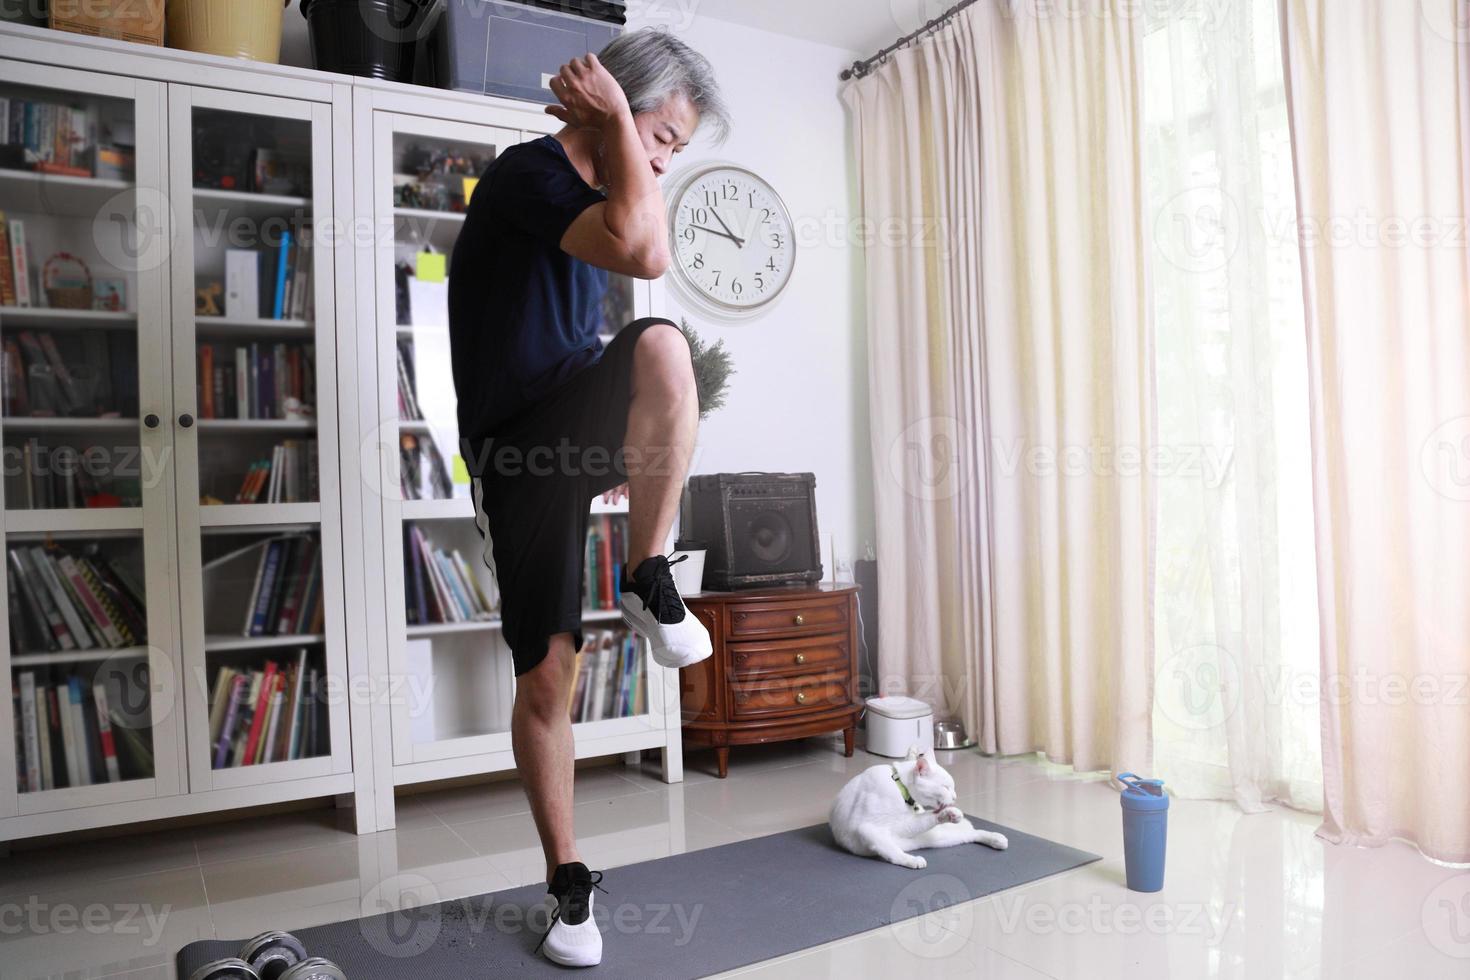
801 658
800 620
801 697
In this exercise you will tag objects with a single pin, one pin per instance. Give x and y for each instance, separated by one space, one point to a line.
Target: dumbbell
272 955
234 968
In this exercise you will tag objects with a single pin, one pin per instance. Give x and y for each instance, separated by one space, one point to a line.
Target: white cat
872 818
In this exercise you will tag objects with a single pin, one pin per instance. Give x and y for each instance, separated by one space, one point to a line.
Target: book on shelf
289 476
606 554
271 283
271 713
422 473
270 587
85 373
441 586
256 380
610 677
79 731
61 601
16 267
408 399
50 137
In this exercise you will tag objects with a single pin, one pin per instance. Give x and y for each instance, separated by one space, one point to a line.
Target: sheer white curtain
1235 708
1379 99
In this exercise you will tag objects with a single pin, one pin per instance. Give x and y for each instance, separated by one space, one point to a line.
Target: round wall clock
732 241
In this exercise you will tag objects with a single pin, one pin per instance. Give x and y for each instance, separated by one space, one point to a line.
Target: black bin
370 38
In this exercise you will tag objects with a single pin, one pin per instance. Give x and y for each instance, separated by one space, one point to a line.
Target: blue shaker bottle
1145 829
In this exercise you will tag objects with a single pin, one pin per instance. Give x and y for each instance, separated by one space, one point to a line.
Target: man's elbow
653 264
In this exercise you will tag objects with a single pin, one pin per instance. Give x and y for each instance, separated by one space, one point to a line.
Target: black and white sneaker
653 609
573 938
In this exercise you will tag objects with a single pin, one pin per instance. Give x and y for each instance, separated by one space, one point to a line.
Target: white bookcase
454 681
163 514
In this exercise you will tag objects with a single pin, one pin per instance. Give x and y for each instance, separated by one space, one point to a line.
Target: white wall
798 402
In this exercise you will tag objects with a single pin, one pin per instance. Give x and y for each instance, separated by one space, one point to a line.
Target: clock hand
716 231
739 242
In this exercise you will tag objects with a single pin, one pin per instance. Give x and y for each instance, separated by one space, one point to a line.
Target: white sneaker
677 636
573 939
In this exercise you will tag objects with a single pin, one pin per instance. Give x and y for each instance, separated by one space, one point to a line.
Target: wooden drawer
795 618
796 656
805 694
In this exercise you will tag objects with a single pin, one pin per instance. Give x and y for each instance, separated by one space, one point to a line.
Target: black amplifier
759 528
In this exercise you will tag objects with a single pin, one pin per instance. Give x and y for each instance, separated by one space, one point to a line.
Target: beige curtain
1377 95
1008 373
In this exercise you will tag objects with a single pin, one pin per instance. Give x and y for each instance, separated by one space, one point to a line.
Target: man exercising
550 418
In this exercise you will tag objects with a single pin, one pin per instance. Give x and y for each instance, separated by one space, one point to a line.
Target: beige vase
233 28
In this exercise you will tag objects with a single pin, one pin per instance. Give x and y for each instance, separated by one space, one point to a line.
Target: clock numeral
688 235
699 260
735 287
765 216
777 240
731 192
700 216
771 263
718 273
759 282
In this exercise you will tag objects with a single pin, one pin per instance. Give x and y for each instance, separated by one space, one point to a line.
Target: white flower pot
689 574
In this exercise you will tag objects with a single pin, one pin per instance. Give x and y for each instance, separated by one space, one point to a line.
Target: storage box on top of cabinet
499 47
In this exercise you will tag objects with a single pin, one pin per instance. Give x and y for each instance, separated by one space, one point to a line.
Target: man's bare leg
541 738
663 419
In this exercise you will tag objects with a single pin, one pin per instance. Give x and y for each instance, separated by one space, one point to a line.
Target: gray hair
652 66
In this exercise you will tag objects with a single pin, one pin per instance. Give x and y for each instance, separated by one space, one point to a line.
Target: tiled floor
1251 897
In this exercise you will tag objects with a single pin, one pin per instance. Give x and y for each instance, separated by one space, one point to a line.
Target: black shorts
533 483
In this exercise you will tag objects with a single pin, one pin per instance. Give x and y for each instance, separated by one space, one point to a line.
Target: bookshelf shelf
27 423
418 225
210 204
207 530
225 328
257 425
49 318
416 426
221 643
77 656
56 194
248 516
78 521
438 510
421 631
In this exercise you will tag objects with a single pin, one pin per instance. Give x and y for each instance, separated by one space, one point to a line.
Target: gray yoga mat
687 915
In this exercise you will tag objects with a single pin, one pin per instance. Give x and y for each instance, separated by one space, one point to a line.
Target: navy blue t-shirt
523 314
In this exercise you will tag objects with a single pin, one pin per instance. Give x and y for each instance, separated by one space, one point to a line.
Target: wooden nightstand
784 667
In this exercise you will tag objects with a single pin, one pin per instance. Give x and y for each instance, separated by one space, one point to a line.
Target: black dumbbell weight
315 968
226 969
272 953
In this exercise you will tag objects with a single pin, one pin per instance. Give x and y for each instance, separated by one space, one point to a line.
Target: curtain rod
861 68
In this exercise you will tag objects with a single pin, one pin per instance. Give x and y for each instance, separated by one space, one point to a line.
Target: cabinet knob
150 420
800 620
801 697
186 420
801 658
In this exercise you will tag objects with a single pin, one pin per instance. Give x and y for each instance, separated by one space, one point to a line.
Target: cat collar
907 797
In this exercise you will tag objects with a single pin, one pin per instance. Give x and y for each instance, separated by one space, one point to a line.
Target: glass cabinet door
87 486
255 428
442 610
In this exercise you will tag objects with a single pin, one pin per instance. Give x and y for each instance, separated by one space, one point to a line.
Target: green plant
713 366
